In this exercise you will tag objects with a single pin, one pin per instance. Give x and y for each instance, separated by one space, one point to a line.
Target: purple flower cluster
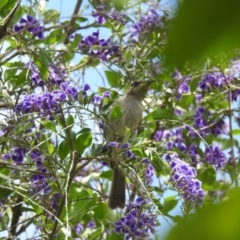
136 225
97 100
31 24
55 202
79 228
56 74
102 15
46 102
148 170
39 182
146 23
100 48
200 121
17 155
215 156
213 79
183 177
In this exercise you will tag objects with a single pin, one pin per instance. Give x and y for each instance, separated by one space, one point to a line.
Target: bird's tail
117 192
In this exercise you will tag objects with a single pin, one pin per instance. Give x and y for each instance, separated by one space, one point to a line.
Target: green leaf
186 101
101 211
116 112
113 78
2 3
161 114
217 221
49 125
106 174
64 149
52 15
82 142
169 204
202 28
207 176
55 36
70 121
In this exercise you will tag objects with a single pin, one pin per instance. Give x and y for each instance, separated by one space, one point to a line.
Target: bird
114 130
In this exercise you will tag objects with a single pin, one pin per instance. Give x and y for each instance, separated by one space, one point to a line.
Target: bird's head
139 89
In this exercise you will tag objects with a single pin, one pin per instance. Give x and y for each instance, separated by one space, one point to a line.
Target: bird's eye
135 84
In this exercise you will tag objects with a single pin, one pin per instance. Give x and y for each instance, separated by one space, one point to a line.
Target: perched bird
114 130
5 22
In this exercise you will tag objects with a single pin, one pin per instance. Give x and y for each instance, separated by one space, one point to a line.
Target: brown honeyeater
114 130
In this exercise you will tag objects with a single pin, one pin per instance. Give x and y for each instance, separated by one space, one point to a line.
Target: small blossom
86 87
107 94
114 144
91 224
31 24
146 23
78 228
215 156
97 99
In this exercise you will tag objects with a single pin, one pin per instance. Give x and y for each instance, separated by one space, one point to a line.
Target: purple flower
91 224
100 48
78 228
136 225
219 128
102 15
39 184
148 170
114 144
56 74
213 79
107 94
183 177
18 155
31 24
146 23
97 99
215 156
86 87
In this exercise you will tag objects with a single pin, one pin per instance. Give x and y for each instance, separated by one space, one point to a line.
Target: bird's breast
132 112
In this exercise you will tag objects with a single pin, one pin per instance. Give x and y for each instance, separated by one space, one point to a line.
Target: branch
70 28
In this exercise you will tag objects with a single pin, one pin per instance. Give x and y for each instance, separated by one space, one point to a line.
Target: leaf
70 121
106 174
160 114
64 149
217 221
169 204
202 28
2 3
207 176
49 125
55 36
52 15
83 141
116 113
101 210
113 78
